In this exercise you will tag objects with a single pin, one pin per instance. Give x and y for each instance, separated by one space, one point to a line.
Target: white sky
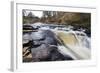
36 13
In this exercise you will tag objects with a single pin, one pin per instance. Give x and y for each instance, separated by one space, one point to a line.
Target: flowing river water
74 43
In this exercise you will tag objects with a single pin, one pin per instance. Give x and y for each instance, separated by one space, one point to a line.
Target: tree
24 12
30 15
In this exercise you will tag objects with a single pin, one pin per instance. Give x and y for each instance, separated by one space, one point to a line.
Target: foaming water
76 44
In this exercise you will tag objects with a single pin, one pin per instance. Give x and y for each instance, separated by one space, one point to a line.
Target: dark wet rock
55 55
37 35
48 53
29 43
43 47
26 38
29 27
50 37
41 52
45 36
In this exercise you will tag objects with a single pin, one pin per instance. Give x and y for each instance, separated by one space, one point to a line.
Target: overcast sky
36 13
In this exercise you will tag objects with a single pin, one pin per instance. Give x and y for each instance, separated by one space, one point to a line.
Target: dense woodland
78 20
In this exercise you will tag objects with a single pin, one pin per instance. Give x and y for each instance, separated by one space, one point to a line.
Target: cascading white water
81 47
76 43
82 38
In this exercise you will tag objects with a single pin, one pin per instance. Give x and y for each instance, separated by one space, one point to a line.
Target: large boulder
44 36
47 52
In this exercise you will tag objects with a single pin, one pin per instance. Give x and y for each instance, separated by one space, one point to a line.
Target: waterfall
74 43
79 48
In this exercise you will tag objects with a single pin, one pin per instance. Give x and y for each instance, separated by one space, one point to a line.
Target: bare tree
30 14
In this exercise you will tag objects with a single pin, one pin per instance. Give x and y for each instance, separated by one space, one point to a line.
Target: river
75 43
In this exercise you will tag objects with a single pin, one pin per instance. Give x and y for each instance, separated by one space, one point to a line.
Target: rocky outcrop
43 47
